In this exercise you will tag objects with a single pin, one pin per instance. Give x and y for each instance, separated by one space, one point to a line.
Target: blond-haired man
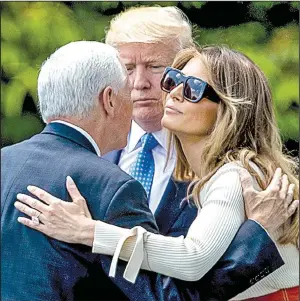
148 38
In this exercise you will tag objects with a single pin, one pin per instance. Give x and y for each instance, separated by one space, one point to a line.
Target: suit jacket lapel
170 205
69 133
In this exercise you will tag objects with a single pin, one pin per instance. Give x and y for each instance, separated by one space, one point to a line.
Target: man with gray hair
148 38
84 98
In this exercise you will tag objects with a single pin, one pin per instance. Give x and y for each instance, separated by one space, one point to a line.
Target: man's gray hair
73 76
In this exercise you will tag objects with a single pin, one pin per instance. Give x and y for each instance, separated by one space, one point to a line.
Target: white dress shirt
83 132
161 175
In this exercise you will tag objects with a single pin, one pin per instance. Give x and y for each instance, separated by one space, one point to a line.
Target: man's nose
140 80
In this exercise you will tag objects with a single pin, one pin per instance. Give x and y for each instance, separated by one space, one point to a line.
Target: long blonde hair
245 129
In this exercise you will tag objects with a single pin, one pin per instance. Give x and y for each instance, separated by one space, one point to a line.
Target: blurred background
268 32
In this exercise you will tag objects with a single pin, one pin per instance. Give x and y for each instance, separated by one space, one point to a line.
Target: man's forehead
144 58
136 59
147 53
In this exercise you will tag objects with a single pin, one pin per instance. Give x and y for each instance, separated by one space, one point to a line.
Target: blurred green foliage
31 31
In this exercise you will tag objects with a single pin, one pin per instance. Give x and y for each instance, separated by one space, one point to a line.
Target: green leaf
286 93
9 30
13 100
245 34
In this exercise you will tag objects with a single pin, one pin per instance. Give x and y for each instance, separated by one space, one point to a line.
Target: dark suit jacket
251 256
35 267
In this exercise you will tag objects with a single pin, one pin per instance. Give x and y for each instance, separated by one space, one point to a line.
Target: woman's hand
66 221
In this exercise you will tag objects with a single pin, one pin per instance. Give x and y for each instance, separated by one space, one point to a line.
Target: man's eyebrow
156 59
147 60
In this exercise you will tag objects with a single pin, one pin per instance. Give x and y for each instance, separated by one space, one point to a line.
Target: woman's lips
172 110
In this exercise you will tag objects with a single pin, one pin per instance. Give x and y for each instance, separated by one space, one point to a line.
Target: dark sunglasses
194 88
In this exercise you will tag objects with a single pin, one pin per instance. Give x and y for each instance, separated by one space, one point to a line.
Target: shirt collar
136 133
83 132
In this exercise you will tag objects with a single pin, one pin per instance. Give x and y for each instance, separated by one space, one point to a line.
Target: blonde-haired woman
219 111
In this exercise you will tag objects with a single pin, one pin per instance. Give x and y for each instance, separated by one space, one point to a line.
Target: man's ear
108 101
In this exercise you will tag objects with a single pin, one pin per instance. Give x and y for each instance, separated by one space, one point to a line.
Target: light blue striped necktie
143 169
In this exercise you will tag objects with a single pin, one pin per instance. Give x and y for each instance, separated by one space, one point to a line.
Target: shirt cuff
106 238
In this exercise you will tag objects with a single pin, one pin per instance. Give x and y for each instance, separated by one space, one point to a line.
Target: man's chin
147 113
122 144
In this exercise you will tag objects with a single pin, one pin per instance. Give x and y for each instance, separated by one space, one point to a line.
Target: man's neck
88 127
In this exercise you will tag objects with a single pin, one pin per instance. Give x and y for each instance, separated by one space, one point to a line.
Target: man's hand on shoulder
271 207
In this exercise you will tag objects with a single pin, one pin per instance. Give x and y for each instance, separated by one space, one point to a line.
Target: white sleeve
187 258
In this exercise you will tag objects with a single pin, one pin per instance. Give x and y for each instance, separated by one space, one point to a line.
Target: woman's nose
177 93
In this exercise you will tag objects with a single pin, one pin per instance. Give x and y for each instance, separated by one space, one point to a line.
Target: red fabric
288 294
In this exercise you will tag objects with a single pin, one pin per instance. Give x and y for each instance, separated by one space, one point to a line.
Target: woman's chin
168 123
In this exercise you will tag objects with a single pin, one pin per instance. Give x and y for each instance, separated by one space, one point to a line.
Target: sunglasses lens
171 80
194 89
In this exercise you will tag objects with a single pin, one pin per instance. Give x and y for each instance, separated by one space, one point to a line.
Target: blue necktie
143 169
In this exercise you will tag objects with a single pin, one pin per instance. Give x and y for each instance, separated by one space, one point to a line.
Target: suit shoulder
20 145
12 147
99 168
14 150
111 168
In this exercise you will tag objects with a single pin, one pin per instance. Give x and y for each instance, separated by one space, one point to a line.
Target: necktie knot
149 142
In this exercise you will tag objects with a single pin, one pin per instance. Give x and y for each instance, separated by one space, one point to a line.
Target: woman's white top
209 236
